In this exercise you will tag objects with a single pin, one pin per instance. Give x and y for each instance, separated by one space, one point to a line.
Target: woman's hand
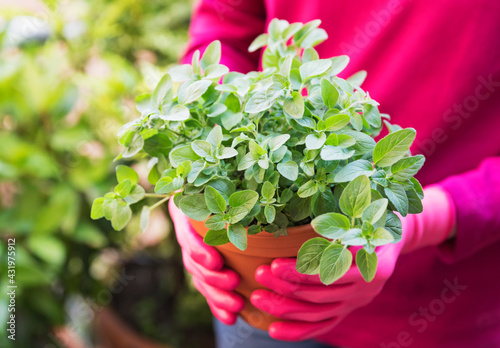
311 308
210 277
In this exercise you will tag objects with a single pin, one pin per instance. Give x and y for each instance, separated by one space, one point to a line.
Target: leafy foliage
267 150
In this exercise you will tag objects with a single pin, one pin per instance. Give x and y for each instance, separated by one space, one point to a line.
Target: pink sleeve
235 23
476 195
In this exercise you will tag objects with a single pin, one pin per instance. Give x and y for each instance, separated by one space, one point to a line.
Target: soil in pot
262 249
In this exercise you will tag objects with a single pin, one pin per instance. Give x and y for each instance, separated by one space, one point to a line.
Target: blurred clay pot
262 249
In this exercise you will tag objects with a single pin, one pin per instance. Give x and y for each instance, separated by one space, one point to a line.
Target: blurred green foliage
62 102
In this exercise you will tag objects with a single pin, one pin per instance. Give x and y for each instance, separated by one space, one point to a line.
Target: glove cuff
435 224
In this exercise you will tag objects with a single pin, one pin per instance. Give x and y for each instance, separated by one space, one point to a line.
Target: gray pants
242 335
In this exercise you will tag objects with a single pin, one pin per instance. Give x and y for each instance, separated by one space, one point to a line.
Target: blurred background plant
69 71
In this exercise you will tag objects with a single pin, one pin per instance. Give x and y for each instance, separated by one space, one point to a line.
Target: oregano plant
264 151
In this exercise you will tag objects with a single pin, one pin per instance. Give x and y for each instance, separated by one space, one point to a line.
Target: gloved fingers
284 268
224 279
290 309
298 331
191 242
226 317
303 292
227 300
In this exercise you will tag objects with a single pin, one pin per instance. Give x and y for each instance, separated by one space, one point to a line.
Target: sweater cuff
465 242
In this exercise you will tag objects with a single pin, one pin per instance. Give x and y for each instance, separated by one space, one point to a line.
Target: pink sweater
433 65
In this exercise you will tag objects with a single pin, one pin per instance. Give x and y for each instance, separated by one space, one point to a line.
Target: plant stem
159 203
155 195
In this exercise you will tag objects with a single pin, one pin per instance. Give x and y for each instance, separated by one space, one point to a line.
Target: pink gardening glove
312 309
210 277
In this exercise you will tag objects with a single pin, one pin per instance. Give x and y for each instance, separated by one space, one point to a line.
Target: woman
434 66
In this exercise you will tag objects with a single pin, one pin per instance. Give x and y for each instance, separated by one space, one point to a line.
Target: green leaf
308 189
230 119
238 236
134 146
144 219
227 152
329 93
136 194
354 236
259 42
353 170
246 199
294 105
192 91
216 237
258 102
332 153
397 196
163 92
216 222
278 141
393 147
256 150
314 38
414 203
314 68
309 256
50 249
177 113
335 262
315 141
406 168
372 115
289 170
331 225
356 197
300 208
202 148
215 136
181 154
339 63
367 264
97 212
214 200
381 237
364 142
212 55
121 216
216 110
195 207
216 71
269 213
224 186
268 191
123 188
168 185
336 122
237 214
181 73
125 172
323 202
246 162
375 211
358 78
394 226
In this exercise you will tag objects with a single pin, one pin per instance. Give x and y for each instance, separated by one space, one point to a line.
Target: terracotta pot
113 332
262 249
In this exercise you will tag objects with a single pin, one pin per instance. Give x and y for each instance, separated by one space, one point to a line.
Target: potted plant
288 152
